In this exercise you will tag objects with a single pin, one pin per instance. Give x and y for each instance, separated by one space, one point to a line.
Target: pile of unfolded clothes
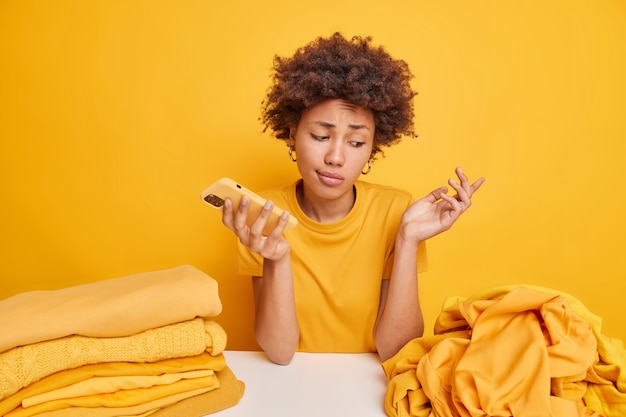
144 344
510 351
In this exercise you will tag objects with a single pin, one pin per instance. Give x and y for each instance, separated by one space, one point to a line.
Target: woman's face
333 142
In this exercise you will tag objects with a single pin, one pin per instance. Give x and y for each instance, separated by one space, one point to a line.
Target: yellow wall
114 115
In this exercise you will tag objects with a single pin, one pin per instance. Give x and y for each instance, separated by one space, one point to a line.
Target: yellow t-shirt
338 267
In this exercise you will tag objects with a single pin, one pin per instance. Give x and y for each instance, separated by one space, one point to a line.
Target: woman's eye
357 144
319 137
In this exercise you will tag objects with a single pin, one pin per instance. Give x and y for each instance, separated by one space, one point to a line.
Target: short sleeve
248 262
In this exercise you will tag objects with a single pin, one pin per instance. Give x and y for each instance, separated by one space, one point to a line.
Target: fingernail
268 205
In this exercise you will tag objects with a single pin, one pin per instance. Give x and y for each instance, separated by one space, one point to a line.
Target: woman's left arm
399 314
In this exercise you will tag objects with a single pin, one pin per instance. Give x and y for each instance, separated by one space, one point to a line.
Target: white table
314 384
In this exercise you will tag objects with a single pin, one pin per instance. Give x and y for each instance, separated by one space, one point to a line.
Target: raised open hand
437 211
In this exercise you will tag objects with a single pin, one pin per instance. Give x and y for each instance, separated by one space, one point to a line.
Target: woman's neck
323 210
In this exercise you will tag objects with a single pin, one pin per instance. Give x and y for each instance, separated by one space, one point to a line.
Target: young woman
345 279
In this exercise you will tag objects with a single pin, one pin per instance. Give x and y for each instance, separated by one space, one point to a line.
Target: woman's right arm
276 327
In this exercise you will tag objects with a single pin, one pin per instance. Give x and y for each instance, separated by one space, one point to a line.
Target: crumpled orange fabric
512 352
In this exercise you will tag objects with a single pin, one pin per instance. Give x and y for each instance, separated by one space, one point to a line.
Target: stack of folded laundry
144 344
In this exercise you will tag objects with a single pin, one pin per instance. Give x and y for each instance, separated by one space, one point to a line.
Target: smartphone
225 188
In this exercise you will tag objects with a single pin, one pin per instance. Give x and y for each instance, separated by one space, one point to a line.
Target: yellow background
114 115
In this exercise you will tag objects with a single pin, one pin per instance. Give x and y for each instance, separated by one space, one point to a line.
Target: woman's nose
334 155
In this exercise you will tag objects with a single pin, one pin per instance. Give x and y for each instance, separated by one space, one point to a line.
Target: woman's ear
292 136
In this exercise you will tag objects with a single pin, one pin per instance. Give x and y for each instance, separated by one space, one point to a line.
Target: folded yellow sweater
21 366
84 373
503 352
109 308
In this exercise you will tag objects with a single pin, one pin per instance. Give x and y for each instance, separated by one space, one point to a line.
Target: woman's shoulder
283 196
277 190
375 191
382 199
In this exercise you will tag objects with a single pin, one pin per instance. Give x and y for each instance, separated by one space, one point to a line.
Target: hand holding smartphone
225 188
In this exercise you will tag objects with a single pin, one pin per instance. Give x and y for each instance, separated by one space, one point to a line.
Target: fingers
464 189
237 220
258 233
261 230
455 204
227 214
436 194
241 216
465 185
277 233
464 192
256 228
469 188
477 184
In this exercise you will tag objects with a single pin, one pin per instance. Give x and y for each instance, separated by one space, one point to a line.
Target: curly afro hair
352 70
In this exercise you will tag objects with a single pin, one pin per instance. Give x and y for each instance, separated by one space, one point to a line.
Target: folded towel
110 308
121 398
21 366
138 410
84 373
227 395
110 384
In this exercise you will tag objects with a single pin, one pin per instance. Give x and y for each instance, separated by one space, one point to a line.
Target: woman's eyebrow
332 125
357 127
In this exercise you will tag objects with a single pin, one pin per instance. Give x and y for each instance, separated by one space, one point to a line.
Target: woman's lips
329 178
